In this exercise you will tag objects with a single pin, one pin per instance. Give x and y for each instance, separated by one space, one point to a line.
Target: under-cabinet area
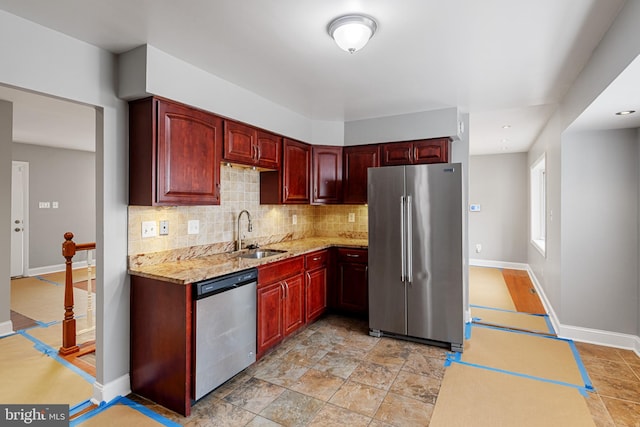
294 288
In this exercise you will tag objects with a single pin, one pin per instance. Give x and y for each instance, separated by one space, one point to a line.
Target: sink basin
261 253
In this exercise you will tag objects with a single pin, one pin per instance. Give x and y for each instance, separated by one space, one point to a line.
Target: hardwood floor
524 295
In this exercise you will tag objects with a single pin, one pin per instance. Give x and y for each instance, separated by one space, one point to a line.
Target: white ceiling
501 61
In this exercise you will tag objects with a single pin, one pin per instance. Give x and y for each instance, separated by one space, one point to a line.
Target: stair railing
69 250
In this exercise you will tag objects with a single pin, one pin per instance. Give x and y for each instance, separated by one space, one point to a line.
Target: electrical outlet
54 205
294 219
352 217
193 226
44 205
164 228
148 229
478 248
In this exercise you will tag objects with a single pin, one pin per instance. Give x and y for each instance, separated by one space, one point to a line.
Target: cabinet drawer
316 260
280 270
353 255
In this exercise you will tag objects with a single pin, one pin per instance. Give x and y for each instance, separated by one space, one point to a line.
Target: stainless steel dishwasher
225 328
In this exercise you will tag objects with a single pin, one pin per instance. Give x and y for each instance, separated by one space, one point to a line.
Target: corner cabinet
422 151
250 146
290 185
327 174
174 154
357 159
352 293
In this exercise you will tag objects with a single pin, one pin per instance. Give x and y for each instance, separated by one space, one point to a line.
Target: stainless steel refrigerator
415 253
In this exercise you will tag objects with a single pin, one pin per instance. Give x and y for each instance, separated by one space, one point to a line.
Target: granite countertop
204 267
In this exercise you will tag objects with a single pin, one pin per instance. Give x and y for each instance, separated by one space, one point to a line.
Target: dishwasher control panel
219 284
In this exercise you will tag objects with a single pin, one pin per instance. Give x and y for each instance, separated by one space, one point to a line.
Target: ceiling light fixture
625 113
352 32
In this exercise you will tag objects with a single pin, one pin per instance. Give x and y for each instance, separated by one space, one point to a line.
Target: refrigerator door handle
403 241
409 239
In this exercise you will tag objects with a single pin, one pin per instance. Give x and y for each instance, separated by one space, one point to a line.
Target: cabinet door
397 153
316 300
296 172
269 149
293 303
352 287
270 326
189 153
354 179
431 151
239 143
327 174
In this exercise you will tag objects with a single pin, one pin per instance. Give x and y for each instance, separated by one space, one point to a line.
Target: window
538 204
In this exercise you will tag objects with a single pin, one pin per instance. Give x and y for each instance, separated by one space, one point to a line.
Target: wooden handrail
69 249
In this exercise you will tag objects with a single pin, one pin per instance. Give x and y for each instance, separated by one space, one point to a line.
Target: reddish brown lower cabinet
161 342
281 304
352 294
316 265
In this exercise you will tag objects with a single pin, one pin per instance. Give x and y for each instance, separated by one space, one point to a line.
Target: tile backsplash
240 189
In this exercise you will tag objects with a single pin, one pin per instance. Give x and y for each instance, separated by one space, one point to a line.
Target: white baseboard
596 336
55 268
107 392
498 264
6 328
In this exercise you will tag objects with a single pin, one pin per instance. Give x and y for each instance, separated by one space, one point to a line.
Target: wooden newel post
69 323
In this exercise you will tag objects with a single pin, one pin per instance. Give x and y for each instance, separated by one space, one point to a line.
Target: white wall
600 230
6 135
499 185
67 177
45 61
619 47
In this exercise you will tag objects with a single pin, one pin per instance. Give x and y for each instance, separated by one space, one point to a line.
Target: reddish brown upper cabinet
327 174
357 160
174 154
249 146
416 152
290 185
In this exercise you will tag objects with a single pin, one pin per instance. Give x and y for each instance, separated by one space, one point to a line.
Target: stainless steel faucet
249 229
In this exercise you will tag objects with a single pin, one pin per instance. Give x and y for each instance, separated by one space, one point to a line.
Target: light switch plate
294 219
352 217
148 229
193 226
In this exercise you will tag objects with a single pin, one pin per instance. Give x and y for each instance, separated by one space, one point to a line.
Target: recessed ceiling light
625 113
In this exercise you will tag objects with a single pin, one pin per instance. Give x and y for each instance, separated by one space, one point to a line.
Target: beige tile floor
330 374
334 374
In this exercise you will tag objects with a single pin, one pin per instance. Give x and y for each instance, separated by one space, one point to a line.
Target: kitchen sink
261 253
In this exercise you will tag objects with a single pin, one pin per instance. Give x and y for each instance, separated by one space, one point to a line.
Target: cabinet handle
353 255
258 152
254 154
308 278
284 292
317 258
286 285
286 193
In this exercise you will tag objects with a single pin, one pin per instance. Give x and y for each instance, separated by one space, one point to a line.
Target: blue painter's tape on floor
467 331
51 352
48 281
581 389
588 386
120 400
148 412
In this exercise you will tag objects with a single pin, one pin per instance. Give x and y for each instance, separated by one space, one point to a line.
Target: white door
19 180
